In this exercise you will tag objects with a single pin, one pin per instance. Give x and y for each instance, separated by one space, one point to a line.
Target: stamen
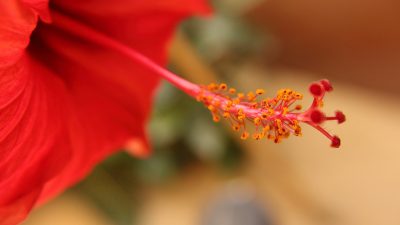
260 91
276 116
236 127
251 96
226 115
298 107
232 91
223 87
245 135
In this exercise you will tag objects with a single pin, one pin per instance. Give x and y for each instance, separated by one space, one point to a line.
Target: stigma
276 118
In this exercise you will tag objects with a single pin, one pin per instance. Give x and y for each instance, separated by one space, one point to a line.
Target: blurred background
201 173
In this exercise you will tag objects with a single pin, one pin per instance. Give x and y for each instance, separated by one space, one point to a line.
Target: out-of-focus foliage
225 40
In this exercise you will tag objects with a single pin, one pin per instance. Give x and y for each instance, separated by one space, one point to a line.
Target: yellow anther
286 133
240 95
261 135
235 127
278 123
236 101
229 103
271 111
212 87
264 102
284 111
232 91
251 96
264 115
260 91
297 131
257 121
227 108
272 102
223 86
241 117
211 108
256 136
244 135
279 126
226 115
199 97
298 96
266 128
279 93
216 118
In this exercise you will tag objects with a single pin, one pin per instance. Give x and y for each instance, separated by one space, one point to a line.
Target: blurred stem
184 57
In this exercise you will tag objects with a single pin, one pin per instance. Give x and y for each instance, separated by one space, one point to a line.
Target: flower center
272 118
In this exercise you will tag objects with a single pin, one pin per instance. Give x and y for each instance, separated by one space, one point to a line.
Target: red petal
24 101
69 103
40 7
32 138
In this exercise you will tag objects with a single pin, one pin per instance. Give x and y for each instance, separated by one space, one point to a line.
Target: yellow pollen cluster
269 117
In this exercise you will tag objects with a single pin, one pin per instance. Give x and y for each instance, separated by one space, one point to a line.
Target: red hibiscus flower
66 100
78 87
